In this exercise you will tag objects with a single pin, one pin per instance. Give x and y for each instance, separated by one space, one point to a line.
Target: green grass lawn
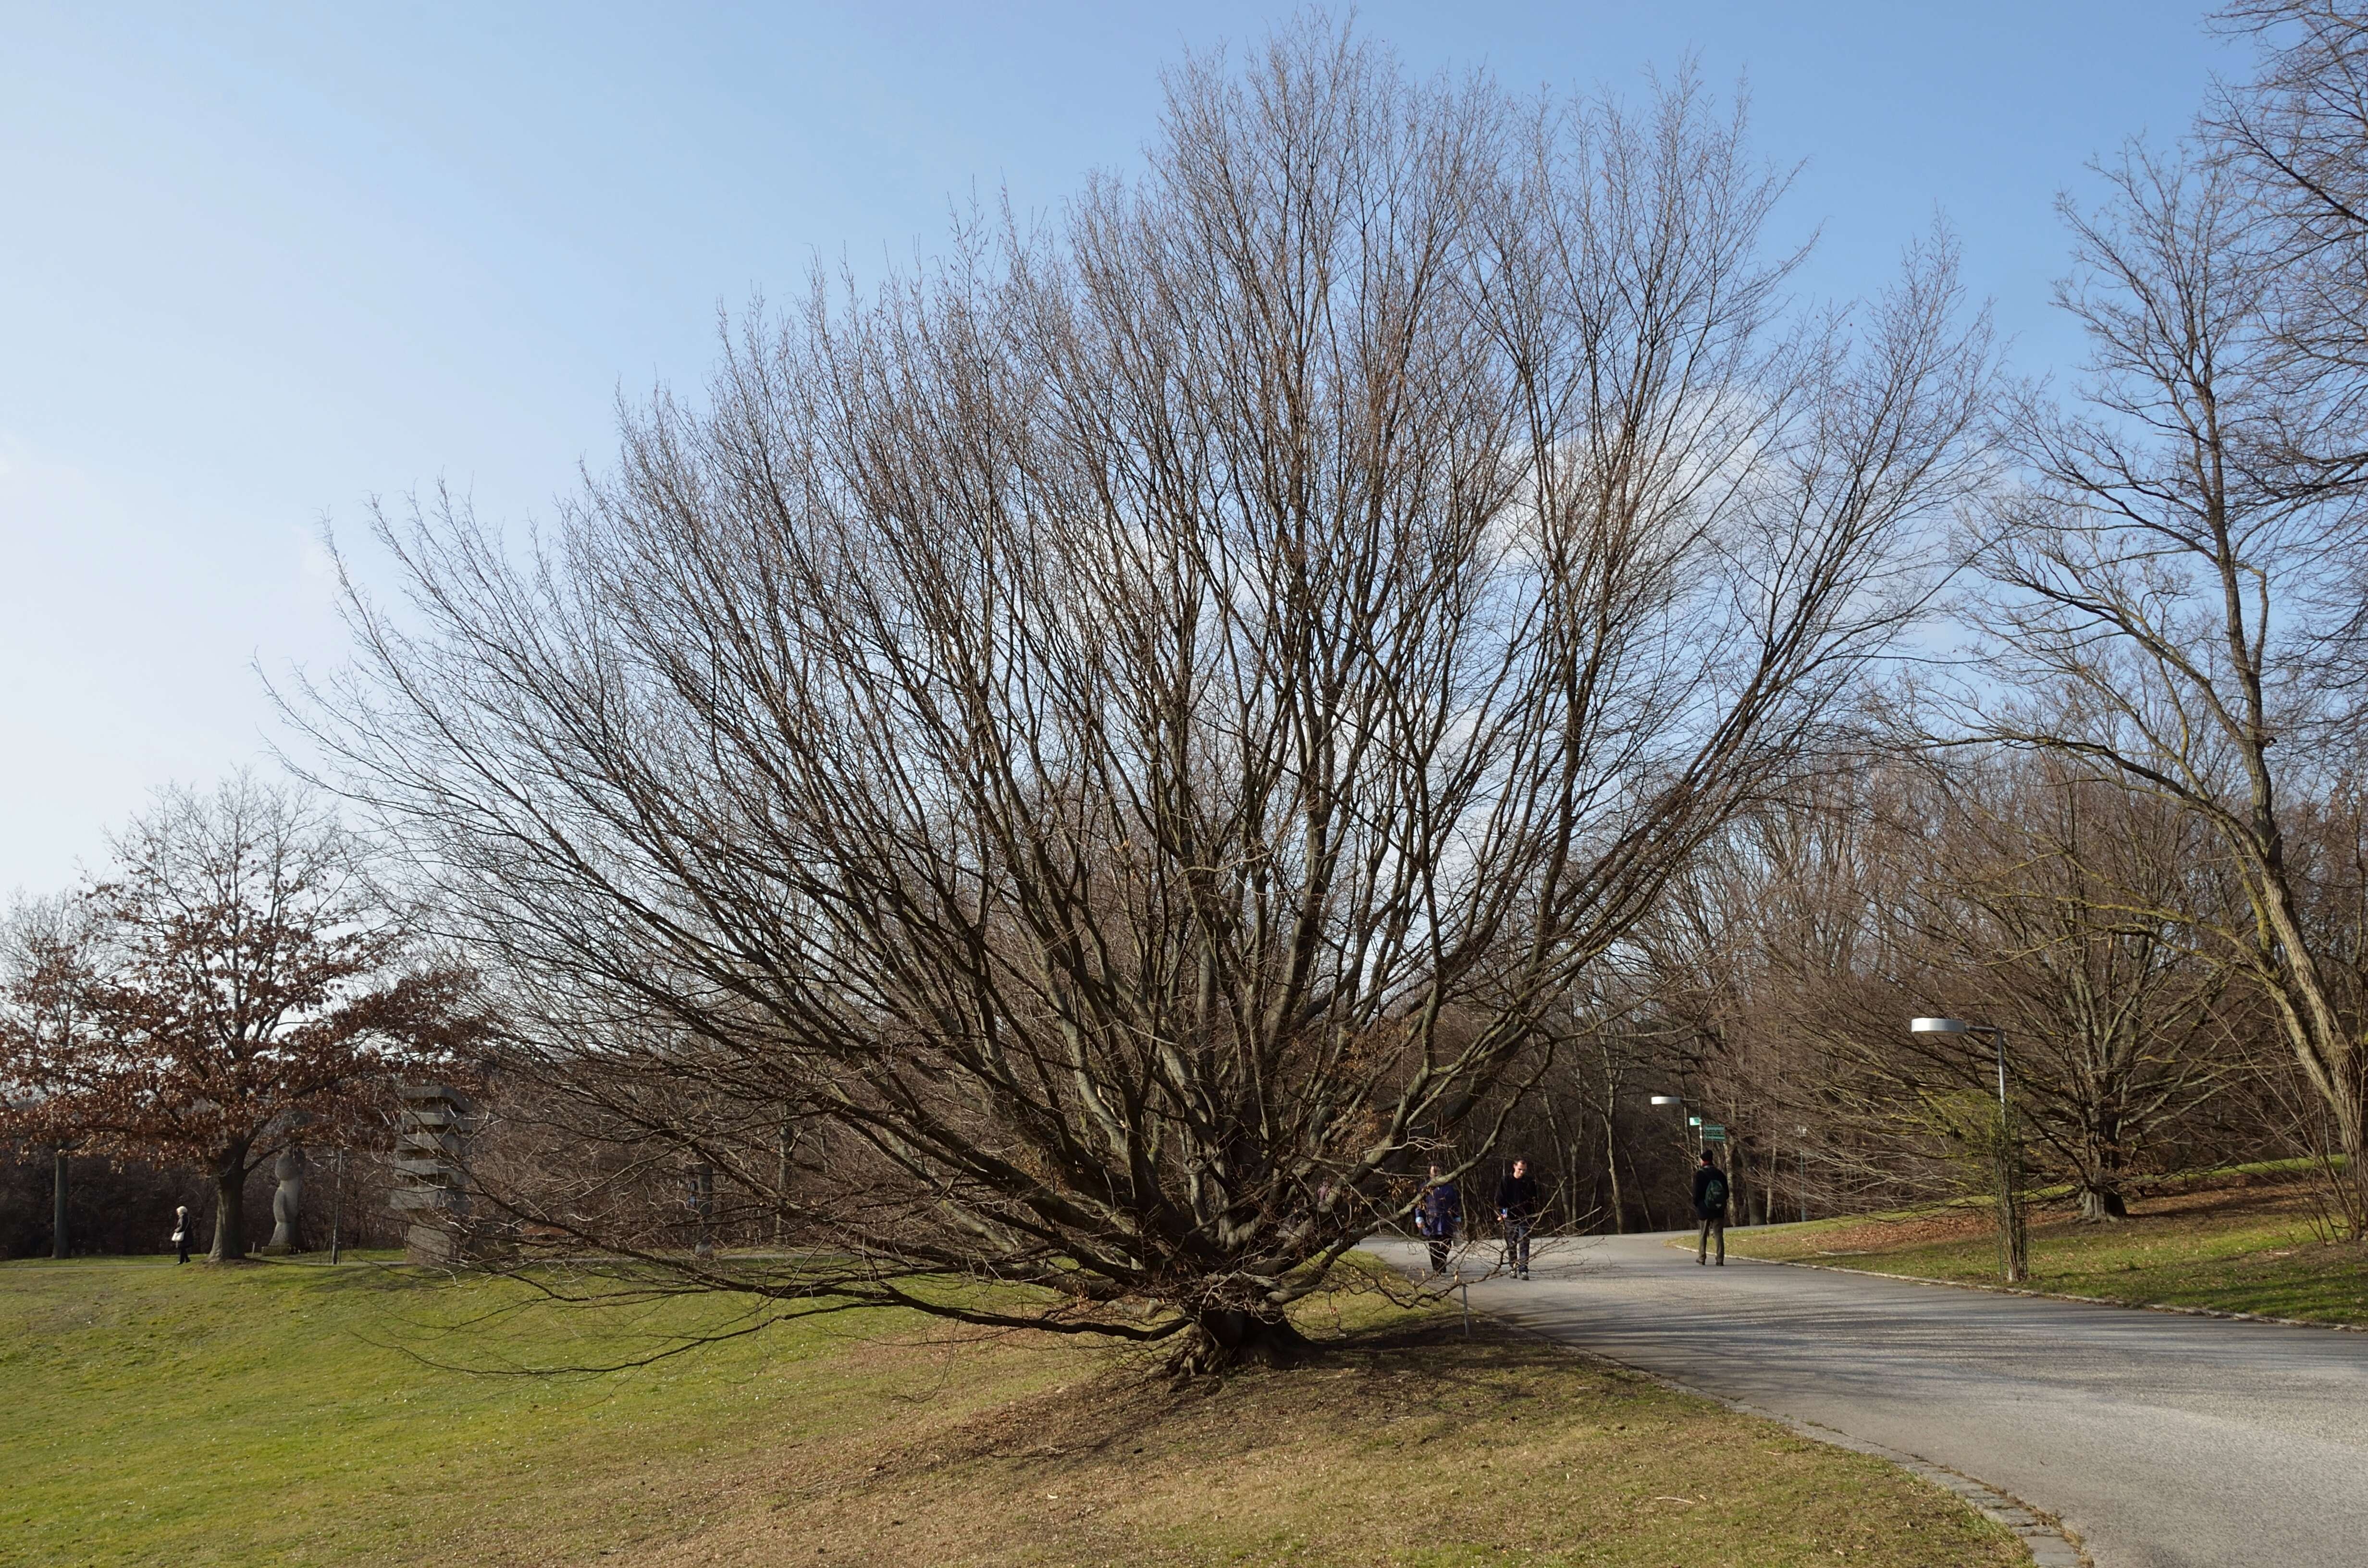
2247 1248
155 1414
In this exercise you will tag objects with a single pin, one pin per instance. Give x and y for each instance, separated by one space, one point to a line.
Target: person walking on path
1709 1208
1437 1214
181 1230
1517 1206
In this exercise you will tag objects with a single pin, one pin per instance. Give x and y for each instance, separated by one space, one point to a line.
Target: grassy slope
2248 1248
190 1416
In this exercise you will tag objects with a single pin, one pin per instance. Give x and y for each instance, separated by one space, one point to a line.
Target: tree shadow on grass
1420 1366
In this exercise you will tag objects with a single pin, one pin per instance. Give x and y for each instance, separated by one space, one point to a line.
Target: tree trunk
2352 1131
58 1237
2101 1203
2101 1184
1644 1198
1224 1340
230 1208
788 1146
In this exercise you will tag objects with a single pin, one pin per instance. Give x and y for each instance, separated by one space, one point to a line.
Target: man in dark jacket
1709 1208
1517 1206
1437 1214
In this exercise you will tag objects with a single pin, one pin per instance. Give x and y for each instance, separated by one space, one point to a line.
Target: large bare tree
2175 582
1122 736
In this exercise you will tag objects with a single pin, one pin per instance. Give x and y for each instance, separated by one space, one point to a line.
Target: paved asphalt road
2164 1441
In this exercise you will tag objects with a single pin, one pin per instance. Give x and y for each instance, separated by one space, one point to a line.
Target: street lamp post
2014 1247
1693 1123
1801 1149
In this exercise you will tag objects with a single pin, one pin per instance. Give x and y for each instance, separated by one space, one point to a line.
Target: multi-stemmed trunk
1221 1340
2325 1040
2101 1199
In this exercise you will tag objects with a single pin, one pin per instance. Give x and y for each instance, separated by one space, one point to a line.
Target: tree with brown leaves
234 985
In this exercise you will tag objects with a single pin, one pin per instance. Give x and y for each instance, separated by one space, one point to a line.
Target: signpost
2014 1244
1714 1134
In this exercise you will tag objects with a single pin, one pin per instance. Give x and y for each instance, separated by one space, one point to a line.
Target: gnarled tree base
2099 1205
1226 1341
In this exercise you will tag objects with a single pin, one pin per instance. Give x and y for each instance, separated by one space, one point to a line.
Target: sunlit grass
2232 1248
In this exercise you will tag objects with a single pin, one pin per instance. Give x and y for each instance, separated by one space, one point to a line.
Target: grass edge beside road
2002 1289
2246 1252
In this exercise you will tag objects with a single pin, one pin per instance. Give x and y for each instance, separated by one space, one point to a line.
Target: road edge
2042 1534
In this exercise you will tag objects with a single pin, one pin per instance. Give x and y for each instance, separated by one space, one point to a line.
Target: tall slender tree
2175 581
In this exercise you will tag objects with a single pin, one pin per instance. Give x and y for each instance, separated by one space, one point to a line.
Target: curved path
2162 1440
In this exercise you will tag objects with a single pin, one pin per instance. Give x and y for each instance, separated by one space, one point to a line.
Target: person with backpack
1517 1206
1438 1212
1709 1208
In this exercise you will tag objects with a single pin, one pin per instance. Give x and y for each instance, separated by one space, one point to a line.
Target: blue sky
260 264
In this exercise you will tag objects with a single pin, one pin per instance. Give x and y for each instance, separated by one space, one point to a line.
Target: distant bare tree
2065 909
1126 735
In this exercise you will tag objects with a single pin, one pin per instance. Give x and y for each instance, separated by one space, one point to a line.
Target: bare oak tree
1122 736
2069 910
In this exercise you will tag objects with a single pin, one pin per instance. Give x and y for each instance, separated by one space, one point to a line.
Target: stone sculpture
287 1202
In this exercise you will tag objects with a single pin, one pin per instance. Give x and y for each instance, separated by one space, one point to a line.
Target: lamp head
1938 1026
1666 1099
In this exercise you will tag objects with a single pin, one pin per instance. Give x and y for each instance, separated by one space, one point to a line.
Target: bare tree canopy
2174 589
235 987
2294 138
1126 732
2023 891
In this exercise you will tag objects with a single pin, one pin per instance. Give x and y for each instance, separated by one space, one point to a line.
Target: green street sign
1713 1134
